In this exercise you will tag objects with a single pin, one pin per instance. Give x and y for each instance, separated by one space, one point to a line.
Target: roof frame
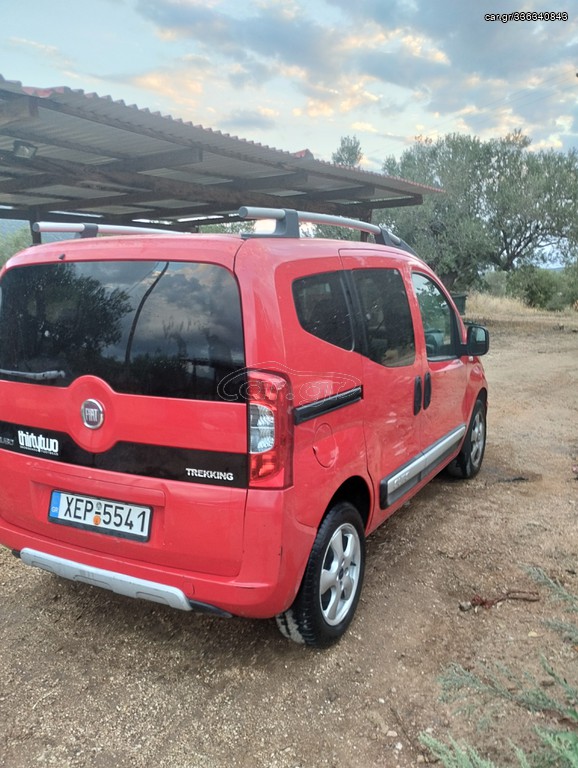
94 157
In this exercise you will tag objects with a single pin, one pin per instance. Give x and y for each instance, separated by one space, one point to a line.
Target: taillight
270 431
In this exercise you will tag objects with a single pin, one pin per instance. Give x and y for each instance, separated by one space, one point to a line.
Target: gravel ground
91 679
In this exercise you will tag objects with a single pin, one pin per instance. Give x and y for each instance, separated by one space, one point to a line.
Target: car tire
468 462
332 582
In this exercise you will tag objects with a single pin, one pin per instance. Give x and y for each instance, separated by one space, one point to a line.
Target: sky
302 74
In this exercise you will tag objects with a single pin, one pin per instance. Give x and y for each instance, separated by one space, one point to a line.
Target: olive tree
503 205
447 230
349 152
531 201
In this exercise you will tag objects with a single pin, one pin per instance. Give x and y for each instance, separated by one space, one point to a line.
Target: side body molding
397 484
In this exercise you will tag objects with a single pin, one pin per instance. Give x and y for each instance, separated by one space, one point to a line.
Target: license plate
128 521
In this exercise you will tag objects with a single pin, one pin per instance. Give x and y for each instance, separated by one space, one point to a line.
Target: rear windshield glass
169 329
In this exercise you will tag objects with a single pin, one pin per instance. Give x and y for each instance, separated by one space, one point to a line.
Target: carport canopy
67 155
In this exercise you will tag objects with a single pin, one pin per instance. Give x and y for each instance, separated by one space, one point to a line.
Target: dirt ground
91 679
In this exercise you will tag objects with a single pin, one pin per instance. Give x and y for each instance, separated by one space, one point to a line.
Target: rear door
391 376
115 366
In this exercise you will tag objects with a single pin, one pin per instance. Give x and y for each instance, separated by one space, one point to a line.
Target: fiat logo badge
92 413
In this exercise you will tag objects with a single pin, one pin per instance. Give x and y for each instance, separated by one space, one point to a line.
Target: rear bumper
130 586
276 551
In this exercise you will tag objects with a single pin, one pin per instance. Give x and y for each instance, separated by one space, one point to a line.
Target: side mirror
478 341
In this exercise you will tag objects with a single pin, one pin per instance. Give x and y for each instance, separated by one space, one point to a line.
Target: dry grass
484 308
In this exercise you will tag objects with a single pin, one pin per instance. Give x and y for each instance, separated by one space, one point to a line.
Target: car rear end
131 433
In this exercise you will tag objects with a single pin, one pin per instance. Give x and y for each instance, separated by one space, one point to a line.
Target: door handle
417 393
426 390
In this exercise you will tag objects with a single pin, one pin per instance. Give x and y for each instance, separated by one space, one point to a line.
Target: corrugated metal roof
65 153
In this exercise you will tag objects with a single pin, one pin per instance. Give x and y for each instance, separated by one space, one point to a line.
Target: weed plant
559 744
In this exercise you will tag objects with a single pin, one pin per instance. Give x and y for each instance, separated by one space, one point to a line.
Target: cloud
275 36
328 58
359 127
50 53
400 68
248 119
274 41
181 88
451 58
248 74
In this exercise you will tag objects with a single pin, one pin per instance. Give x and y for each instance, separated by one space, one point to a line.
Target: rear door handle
417 393
426 390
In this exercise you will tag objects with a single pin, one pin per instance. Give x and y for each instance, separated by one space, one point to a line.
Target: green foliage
540 288
498 682
11 244
490 683
569 280
531 200
563 745
349 152
535 287
494 282
503 205
234 228
447 230
454 755
335 233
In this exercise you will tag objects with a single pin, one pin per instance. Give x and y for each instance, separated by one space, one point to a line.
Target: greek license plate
128 521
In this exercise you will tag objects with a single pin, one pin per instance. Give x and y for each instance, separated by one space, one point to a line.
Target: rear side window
322 308
386 315
170 329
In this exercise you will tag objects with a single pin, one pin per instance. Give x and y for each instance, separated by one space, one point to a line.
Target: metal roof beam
343 193
171 160
398 202
66 173
15 109
69 173
282 180
141 130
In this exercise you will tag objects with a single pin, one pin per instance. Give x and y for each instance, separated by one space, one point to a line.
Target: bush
537 287
570 284
495 283
12 243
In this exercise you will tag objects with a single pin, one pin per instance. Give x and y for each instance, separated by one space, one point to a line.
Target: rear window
387 316
168 329
322 308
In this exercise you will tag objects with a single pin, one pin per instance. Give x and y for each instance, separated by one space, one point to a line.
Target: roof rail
288 220
92 230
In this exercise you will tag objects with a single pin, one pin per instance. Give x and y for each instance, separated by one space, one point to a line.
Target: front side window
170 329
322 308
438 318
386 316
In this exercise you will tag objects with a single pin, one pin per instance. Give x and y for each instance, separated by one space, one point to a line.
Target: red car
216 422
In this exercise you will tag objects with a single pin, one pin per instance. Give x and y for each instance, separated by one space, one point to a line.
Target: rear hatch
119 429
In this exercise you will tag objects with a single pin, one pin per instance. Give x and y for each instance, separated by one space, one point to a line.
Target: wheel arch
471 398
483 396
356 491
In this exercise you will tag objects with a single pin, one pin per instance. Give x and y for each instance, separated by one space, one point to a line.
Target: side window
387 316
322 308
437 317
